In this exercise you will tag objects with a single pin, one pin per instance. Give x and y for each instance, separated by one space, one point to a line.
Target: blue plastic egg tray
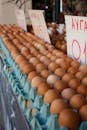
41 118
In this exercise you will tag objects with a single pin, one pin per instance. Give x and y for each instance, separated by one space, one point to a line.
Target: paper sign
21 19
39 25
76 31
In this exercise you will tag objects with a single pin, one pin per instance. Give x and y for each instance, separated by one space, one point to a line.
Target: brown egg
39 45
52 66
84 81
15 54
32 60
49 55
83 68
23 64
19 58
31 75
59 61
28 104
60 72
68 59
57 106
79 75
69 119
72 70
43 88
64 65
51 95
34 43
36 62
42 50
82 89
74 83
83 113
36 53
60 54
24 49
52 79
68 93
64 47
45 73
47 62
39 55
15 50
77 101
20 46
36 81
43 58
45 52
25 53
55 51
32 50
51 48
29 56
40 67
59 85
75 64
67 77
27 69
53 58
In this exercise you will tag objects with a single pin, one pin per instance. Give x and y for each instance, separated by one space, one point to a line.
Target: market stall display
42 75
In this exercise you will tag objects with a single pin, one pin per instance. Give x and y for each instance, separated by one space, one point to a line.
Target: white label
39 25
76 31
21 19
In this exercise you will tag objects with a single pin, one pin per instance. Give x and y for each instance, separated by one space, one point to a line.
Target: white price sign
76 31
20 16
39 25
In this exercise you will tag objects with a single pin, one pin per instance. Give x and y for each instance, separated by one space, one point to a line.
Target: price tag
21 19
76 31
39 25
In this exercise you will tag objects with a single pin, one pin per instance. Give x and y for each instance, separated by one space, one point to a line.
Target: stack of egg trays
42 119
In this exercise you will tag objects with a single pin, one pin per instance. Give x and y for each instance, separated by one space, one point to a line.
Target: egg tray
24 91
39 118
38 121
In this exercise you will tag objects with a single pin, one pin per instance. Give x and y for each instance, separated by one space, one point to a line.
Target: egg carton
6 52
8 55
38 122
41 108
25 89
12 77
4 48
44 121
11 62
46 117
2 54
38 104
